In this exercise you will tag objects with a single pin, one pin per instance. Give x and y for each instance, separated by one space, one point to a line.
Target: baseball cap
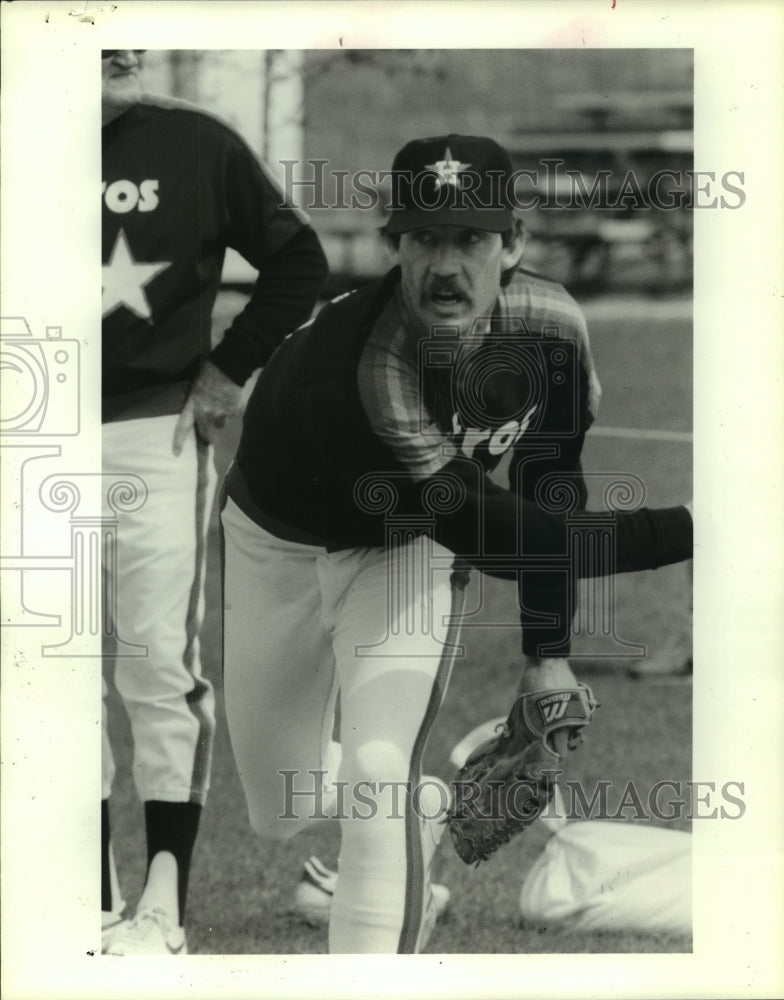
451 180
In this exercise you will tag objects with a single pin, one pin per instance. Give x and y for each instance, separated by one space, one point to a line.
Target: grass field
242 887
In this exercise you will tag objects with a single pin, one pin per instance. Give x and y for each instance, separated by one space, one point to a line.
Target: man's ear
391 244
513 254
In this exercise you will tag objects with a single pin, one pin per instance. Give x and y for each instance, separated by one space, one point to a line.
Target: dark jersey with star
179 187
359 433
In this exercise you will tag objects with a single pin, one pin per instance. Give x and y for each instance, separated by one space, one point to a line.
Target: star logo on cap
448 170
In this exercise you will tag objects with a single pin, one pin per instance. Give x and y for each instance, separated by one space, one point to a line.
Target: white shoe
151 932
313 896
480 734
441 896
314 892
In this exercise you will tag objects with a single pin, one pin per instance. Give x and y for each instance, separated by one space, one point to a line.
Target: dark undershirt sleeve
509 536
535 465
283 298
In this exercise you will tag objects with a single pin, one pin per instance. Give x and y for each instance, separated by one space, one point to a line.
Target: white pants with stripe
160 604
299 623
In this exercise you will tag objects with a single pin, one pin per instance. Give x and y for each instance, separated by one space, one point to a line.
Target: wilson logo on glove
554 708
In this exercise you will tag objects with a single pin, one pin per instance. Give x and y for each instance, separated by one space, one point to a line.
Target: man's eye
423 237
470 237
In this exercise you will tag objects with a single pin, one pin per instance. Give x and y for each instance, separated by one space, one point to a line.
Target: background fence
608 135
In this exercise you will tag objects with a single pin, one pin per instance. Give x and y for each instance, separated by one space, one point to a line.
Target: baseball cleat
441 896
480 734
151 932
314 892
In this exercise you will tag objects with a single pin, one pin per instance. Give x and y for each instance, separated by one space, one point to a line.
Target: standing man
179 187
362 472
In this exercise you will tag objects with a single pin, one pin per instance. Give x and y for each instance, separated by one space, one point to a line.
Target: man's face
451 276
121 83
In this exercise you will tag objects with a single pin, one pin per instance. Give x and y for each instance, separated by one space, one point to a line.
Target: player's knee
376 761
279 810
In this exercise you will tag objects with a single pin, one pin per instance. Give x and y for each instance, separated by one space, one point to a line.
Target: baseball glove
504 784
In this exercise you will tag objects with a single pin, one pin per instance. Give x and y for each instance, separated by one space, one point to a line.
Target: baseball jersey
179 187
358 434
521 383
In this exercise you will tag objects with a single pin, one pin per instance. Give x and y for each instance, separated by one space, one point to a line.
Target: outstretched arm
514 538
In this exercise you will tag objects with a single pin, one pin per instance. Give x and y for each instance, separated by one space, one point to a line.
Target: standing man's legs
160 605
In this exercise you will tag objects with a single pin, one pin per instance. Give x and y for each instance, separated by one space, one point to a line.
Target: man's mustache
447 286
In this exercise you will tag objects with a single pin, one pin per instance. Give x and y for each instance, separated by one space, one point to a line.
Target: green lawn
241 887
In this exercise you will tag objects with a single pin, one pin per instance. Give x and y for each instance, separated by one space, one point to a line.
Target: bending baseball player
359 499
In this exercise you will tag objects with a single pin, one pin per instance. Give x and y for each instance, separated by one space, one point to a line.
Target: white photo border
51 709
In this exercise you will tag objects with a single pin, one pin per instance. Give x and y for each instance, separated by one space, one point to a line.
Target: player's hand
546 674
213 399
543 673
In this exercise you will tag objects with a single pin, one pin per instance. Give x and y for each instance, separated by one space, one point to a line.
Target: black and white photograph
385 580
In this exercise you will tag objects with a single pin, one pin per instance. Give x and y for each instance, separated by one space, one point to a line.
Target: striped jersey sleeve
548 308
389 389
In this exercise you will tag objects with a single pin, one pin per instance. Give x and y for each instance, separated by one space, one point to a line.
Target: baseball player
360 495
179 187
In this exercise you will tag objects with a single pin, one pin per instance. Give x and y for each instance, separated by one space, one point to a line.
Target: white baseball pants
299 622
160 604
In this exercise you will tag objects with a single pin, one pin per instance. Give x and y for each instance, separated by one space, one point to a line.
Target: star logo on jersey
448 170
124 280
